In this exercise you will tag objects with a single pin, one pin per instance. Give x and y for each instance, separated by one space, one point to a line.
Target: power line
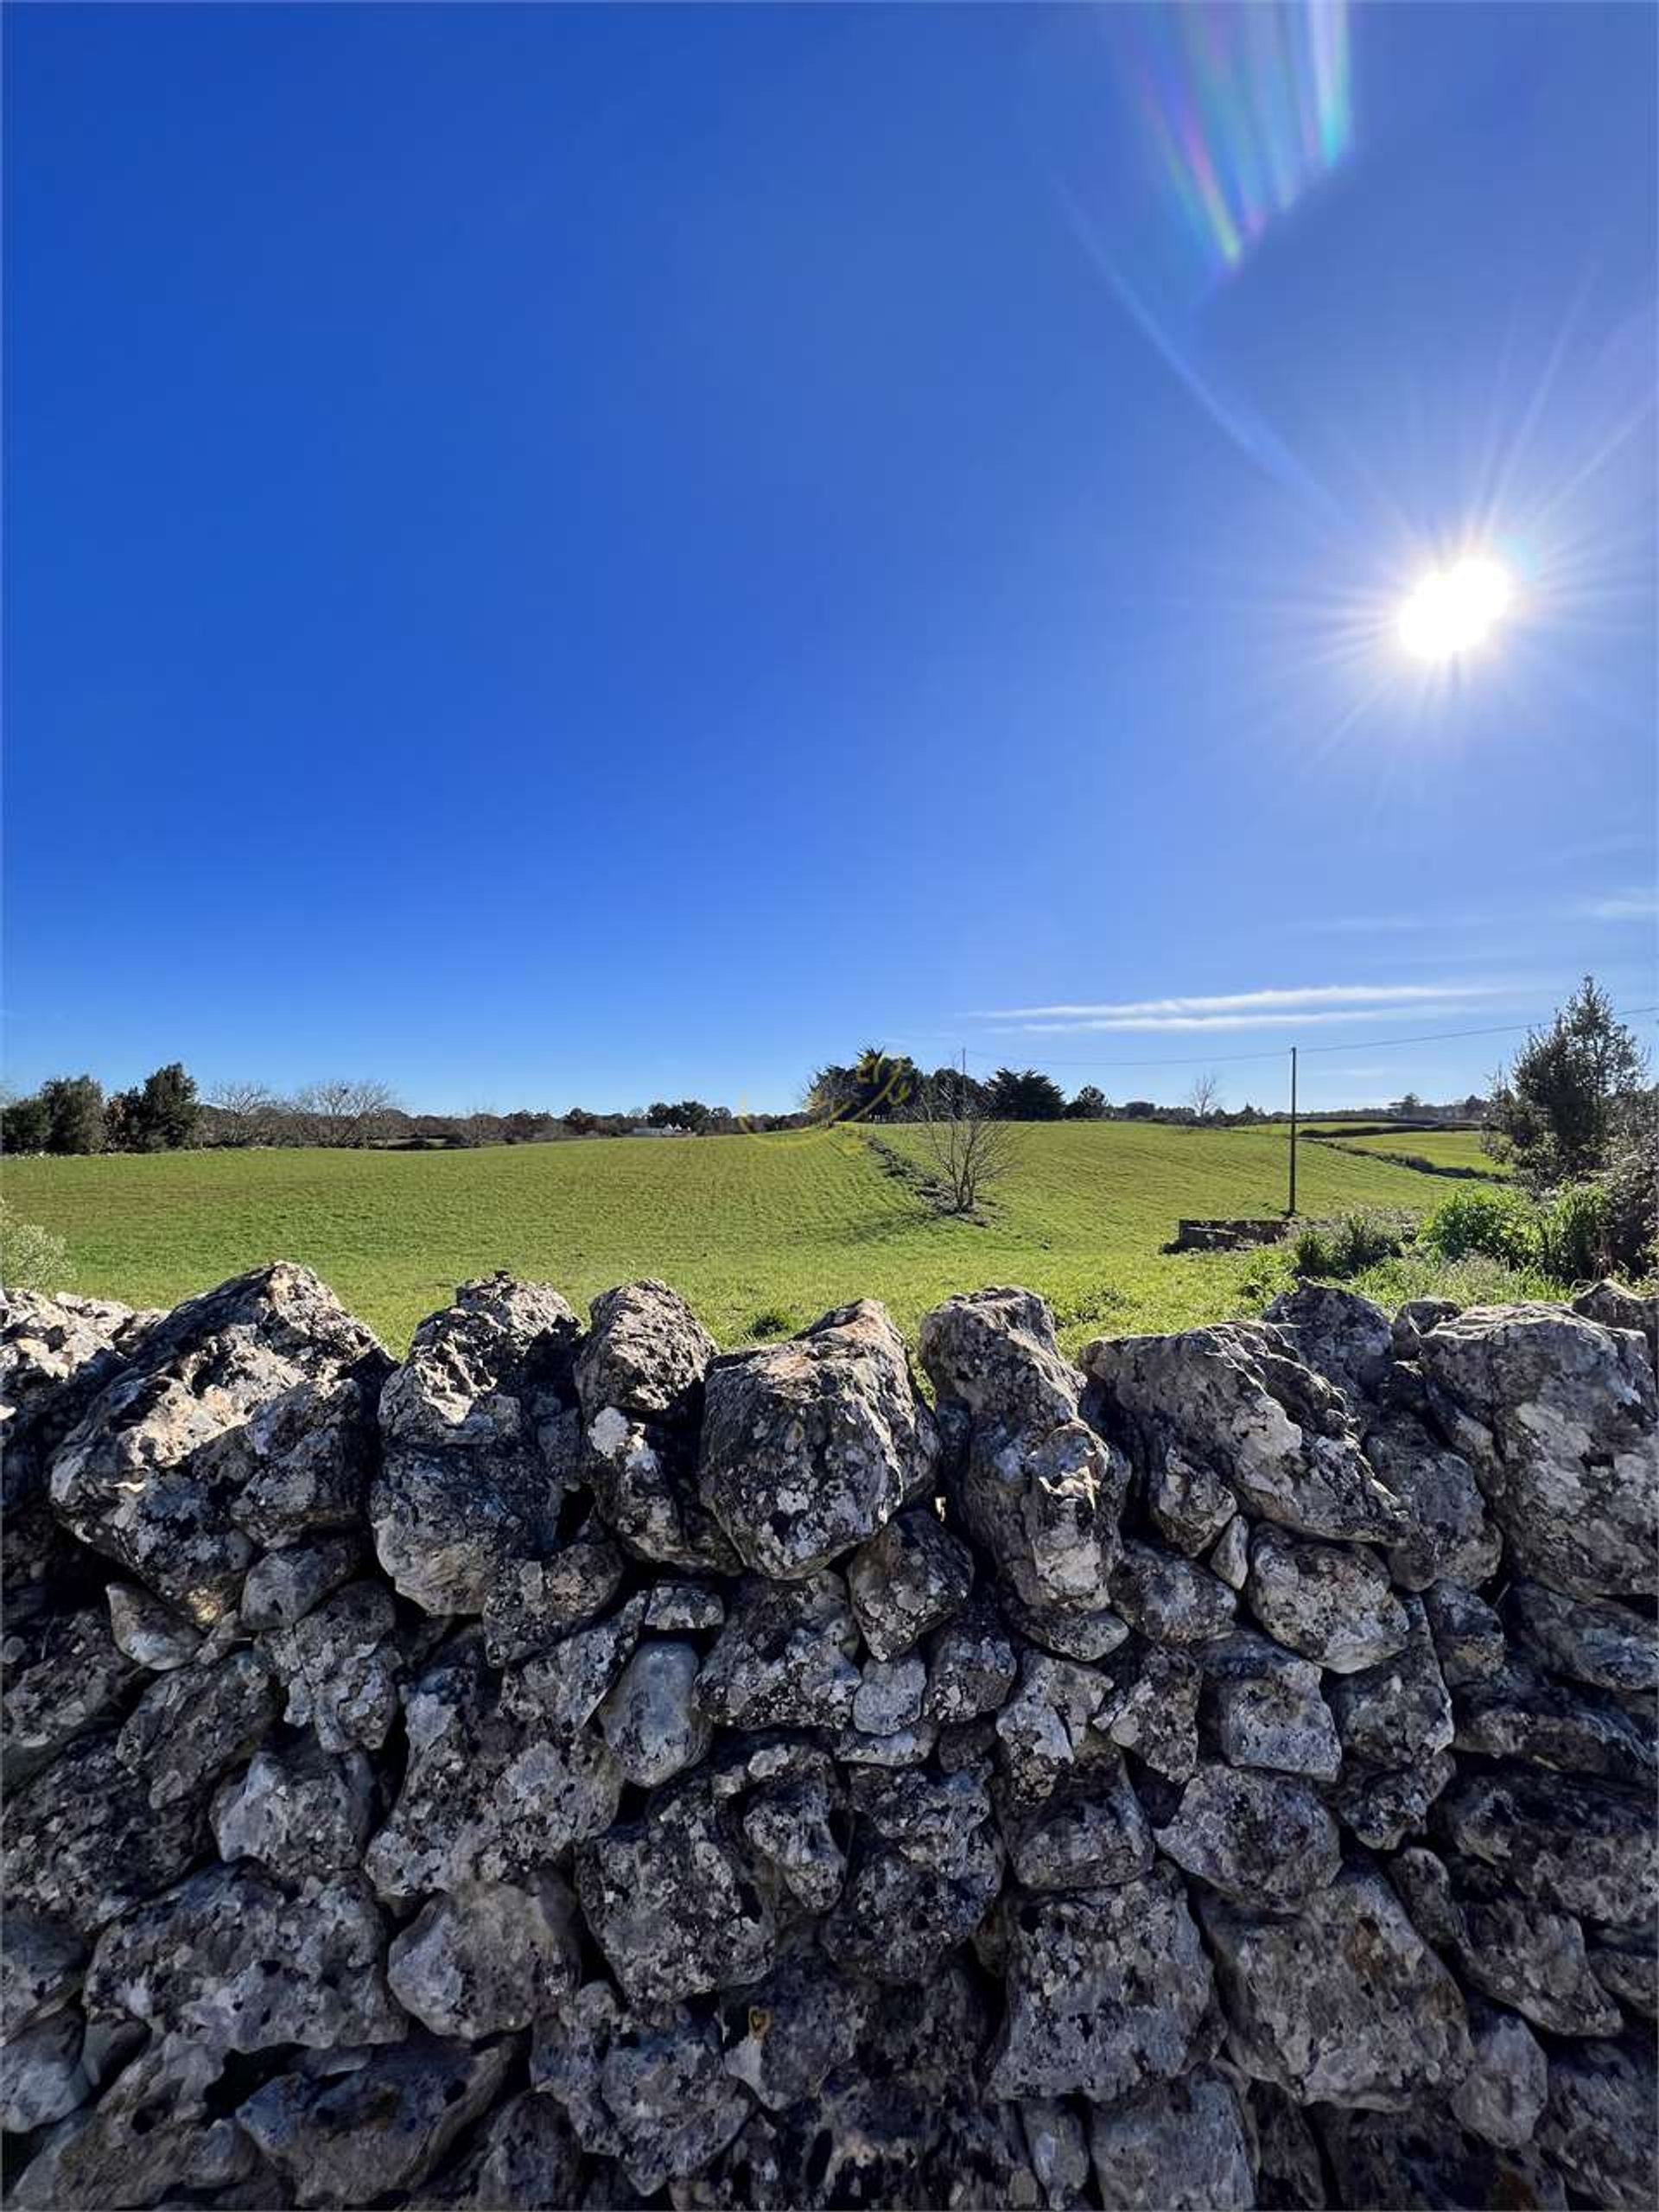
1278 1051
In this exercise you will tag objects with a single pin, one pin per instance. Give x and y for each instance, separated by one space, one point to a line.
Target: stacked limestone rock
575 1769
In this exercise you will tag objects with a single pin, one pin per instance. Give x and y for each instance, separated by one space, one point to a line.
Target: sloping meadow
575 1767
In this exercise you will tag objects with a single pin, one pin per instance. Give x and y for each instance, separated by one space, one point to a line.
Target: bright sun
1455 611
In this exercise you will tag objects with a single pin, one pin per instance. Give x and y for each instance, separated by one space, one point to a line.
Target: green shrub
1575 1233
770 1321
1336 1250
1496 1224
31 1258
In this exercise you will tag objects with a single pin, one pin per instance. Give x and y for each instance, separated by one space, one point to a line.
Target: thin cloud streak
1295 999
1630 907
1221 1022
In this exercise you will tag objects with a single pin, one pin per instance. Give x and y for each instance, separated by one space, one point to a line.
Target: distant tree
969 1147
1409 1108
1139 1109
951 1089
523 1127
346 1110
1554 1110
580 1122
73 1106
1025 1095
25 1124
159 1115
243 1111
1204 1097
1090 1105
879 1086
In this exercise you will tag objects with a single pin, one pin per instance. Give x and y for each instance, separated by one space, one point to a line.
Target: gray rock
1588 1639
150 1634
41 2078
1237 1398
930 1819
899 1919
889 1695
1343 2003
1598 2124
1615 1307
1057 2149
649 2089
56 1354
671 1903
339 1666
379 2123
523 2158
1045 1726
63 1673
484 1798
1107 1990
1168 1599
40 1970
911 1745
810 1448
244 1417
1468 1635
298 1811
644 1479
785 1657
906 1580
788 1825
672 1607
1085 1831
476 1456
1262 1839
646 1354
1524 1715
1499 2098
1087 1633
84 1844
147 2139
533 1603
1583 1845
1559 1417
284 1586
561 1689
1151 1709
1338 1334
1625 1961
1399 1712
1037 1488
648 1719
1176 2146
1189 1500
784 2035
1289 2170
1533 1960
1330 1604
1265 1708
191 1725
1447 1530
1230 1559
970 1667
488 1958
227 1961
1383 1805
1423 2160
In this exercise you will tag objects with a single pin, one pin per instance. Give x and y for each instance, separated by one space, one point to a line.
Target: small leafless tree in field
346 1110
1205 1097
969 1150
249 1109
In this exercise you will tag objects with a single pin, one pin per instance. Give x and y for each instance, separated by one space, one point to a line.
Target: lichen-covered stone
339 1665
486 1958
1447 1531
189 1725
1499 2098
1559 1417
152 1635
1520 1714
1340 2003
1332 1603
1266 1708
646 1354
1600 2126
787 1824
782 2035
63 1673
1262 1839
1584 1845
811 1447
1175 2146
84 1844
476 1454
1591 1640
649 1718
297 1810
1398 1711
533 1603
971 1668
1468 1635
785 1657
906 1580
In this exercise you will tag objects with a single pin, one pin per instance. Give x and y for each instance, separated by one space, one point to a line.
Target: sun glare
1455 610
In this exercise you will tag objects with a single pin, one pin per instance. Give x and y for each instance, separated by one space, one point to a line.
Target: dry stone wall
572 1768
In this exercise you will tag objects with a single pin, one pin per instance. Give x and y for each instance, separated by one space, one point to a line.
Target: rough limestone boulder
479 1443
811 1446
1035 1487
1559 1417
243 1419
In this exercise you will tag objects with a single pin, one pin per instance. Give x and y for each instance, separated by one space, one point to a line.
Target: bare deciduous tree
1205 1097
249 1107
970 1148
344 1111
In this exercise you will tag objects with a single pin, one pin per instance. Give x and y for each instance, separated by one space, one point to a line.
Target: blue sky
577 555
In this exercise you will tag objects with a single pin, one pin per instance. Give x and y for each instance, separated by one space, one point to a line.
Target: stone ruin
572 1768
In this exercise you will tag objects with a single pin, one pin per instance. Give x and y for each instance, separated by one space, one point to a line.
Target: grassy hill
761 1233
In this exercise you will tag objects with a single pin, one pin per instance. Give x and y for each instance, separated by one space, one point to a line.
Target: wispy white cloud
1307 1004
1626 906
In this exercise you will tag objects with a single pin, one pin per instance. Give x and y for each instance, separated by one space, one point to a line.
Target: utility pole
1291 1208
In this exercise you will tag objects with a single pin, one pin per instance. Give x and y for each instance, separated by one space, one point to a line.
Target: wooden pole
1291 1208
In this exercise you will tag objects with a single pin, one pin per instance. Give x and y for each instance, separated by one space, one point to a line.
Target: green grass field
761 1233
1445 1147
